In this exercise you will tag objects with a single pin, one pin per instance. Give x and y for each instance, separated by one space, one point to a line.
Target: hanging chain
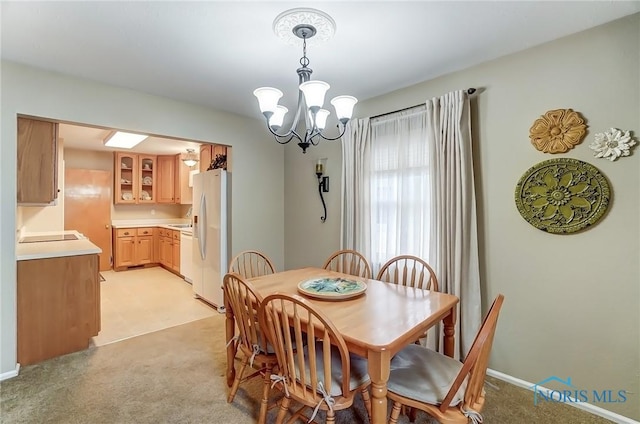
304 61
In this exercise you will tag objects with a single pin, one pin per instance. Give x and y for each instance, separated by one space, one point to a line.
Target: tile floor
141 301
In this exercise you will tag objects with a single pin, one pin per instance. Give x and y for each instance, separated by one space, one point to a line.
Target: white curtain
408 189
453 238
400 189
355 227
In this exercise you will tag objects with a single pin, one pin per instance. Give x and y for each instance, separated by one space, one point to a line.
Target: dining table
376 324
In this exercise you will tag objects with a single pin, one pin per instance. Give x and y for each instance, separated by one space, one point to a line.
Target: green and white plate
332 288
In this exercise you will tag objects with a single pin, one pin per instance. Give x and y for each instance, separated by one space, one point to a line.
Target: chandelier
304 23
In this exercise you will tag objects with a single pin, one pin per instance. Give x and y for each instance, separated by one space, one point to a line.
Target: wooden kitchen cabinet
58 302
135 178
37 161
166 179
133 247
144 248
170 249
166 248
208 152
175 257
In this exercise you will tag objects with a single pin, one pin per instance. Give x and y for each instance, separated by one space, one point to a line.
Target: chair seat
424 375
359 375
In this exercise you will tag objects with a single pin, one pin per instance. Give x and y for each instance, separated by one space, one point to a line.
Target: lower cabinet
58 301
169 249
142 246
133 246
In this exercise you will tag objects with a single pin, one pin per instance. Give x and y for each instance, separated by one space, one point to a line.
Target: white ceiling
216 53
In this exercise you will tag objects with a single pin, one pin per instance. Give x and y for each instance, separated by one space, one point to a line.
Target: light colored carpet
177 376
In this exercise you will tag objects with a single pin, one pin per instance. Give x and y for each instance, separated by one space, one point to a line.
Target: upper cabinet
135 178
208 153
37 162
166 176
148 178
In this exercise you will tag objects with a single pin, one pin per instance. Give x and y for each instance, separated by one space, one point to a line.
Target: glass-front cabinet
134 178
147 178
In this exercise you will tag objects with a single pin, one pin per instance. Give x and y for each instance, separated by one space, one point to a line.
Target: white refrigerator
210 236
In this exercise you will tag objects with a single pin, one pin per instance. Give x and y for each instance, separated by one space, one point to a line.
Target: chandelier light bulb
344 106
267 98
314 92
321 118
276 120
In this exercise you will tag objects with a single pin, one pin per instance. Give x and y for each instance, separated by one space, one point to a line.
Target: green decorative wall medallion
562 196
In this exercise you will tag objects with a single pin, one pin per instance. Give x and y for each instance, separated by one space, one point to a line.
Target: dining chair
323 375
252 343
348 262
409 270
251 263
448 390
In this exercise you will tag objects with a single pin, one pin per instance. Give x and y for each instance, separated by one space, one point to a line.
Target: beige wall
571 301
256 184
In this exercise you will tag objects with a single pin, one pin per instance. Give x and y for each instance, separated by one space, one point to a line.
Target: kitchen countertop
161 223
55 249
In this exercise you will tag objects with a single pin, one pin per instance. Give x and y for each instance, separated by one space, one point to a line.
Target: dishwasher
186 249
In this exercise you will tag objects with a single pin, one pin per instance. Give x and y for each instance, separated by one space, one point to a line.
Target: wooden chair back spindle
251 263
349 262
409 270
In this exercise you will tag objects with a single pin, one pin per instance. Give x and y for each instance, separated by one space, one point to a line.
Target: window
400 187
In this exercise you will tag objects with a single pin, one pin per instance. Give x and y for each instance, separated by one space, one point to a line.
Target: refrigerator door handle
202 228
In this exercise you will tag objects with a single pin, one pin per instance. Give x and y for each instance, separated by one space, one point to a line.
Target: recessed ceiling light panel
124 140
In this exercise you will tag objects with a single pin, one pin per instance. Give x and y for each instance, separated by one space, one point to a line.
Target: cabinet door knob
126 233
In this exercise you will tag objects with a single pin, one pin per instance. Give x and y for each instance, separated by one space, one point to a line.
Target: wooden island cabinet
58 301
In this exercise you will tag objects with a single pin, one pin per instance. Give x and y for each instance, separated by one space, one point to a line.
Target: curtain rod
469 91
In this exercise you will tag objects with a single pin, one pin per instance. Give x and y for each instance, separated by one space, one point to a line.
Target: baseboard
10 374
592 409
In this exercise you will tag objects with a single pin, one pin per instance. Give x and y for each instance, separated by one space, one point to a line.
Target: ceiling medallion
557 131
285 24
562 196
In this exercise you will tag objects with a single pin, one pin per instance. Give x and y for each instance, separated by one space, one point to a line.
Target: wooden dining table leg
378 367
230 326
450 332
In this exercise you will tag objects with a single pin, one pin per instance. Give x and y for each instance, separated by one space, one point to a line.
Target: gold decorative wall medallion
557 131
562 196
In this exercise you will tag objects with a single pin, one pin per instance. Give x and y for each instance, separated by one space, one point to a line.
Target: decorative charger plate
562 196
332 288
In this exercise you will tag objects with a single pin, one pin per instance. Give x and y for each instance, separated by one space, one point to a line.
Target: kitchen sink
179 225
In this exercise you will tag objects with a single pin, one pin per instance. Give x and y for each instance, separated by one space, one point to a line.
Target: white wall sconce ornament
612 144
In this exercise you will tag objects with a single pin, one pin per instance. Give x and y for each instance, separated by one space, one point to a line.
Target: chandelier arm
344 128
291 137
291 134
